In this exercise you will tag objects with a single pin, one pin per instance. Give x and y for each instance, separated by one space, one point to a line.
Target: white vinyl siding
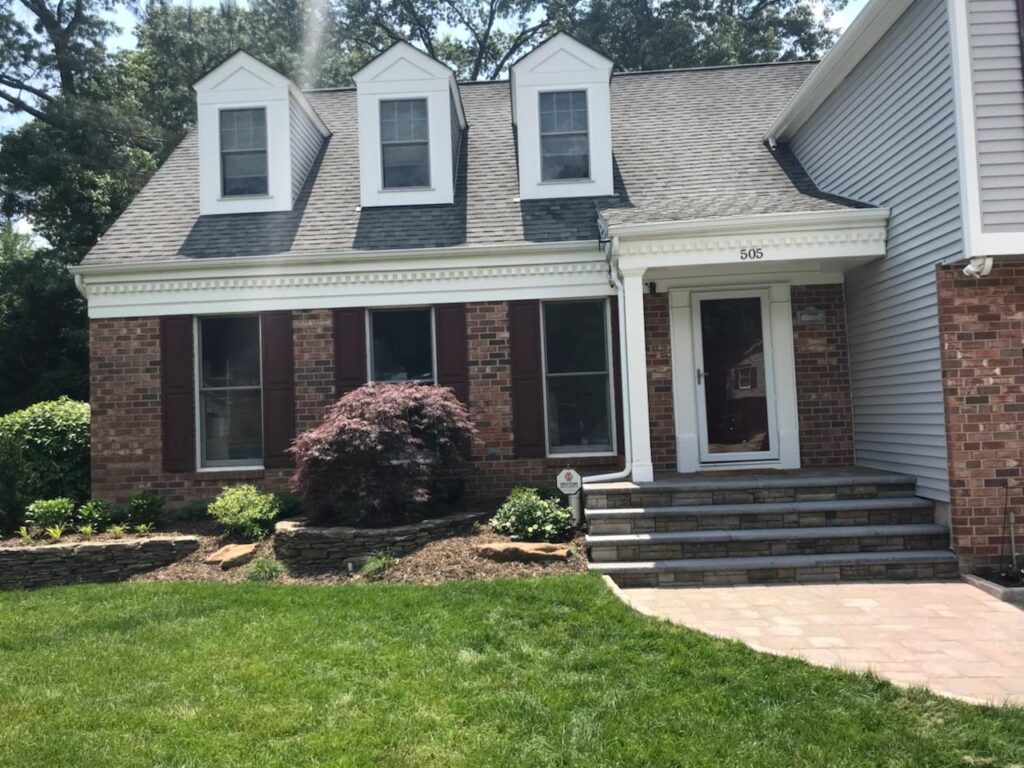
998 81
887 136
306 143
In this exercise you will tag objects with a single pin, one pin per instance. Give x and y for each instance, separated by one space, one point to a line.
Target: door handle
700 377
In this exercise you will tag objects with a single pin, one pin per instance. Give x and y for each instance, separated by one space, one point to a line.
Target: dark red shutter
177 394
620 432
452 349
349 349
278 388
527 379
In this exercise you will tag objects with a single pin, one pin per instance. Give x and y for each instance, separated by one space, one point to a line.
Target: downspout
615 280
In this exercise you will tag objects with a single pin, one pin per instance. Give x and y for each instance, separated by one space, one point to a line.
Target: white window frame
266 149
380 139
609 351
540 140
433 344
197 355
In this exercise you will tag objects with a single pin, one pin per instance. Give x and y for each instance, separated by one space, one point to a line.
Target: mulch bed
450 559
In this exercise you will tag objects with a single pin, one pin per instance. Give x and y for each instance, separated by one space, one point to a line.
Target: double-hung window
230 395
578 377
402 345
564 139
243 152
405 143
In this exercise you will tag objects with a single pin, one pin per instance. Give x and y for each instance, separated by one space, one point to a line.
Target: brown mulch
450 559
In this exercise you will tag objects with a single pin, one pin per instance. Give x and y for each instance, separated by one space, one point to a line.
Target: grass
537 672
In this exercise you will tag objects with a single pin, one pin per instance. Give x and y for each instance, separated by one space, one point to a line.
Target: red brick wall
659 382
981 329
824 408
124 373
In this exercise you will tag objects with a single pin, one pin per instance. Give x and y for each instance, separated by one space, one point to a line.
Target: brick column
981 327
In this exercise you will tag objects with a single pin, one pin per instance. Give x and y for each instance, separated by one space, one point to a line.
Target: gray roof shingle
687 144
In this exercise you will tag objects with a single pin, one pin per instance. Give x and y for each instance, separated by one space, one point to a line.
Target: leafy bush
288 505
382 452
45 453
264 568
245 510
194 511
376 565
527 516
95 513
143 508
47 513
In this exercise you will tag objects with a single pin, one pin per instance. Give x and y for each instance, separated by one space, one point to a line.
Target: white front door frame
686 393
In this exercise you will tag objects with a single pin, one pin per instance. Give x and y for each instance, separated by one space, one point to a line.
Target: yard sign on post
570 483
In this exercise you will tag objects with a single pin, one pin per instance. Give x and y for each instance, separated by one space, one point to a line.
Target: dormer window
243 152
405 143
564 141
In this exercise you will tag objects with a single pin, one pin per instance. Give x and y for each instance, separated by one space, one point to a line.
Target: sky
126 39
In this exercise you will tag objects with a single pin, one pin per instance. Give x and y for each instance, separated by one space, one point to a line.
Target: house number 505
748 254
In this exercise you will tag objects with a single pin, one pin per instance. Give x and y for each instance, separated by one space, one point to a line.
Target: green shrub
54 532
47 513
264 568
288 505
376 565
526 516
194 511
95 513
245 510
44 454
143 509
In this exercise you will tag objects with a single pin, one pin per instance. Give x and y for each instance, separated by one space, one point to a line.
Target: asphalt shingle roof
687 144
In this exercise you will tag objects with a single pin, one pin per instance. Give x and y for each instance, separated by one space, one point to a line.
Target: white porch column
635 337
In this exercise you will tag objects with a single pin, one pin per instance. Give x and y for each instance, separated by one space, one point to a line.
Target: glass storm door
735 377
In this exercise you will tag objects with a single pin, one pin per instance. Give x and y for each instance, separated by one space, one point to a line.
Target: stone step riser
808 575
676 523
622 553
657 498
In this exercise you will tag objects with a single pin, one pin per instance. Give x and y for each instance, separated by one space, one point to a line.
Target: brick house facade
981 323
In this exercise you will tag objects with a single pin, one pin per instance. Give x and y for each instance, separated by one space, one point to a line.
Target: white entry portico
729 283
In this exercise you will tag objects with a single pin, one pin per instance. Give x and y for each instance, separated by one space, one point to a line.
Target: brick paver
948 636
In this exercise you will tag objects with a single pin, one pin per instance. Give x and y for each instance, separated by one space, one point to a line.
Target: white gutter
627 428
292 260
862 36
760 223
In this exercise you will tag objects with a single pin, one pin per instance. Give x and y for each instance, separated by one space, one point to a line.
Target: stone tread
755 483
777 562
763 508
769 534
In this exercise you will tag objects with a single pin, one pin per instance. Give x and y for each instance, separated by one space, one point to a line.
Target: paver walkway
948 636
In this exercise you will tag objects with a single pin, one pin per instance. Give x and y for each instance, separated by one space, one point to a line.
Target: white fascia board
963 98
395 278
845 237
870 26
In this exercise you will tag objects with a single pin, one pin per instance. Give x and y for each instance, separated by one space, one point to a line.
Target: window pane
575 338
578 414
403 347
563 112
232 423
230 351
564 157
243 129
406 165
245 173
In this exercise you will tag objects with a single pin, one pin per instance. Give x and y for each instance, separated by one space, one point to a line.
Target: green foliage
45 513
245 510
144 528
144 508
117 530
194 511
526 516
25 535
44 454
376 565
54 532
96 513
87 530
264 568
289 505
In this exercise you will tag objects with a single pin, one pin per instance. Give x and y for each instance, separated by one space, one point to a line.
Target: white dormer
258 138
410 129
561 106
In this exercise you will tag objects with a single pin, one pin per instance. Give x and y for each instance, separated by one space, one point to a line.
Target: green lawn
527 673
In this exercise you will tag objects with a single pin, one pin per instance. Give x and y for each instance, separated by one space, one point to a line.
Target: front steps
757 529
